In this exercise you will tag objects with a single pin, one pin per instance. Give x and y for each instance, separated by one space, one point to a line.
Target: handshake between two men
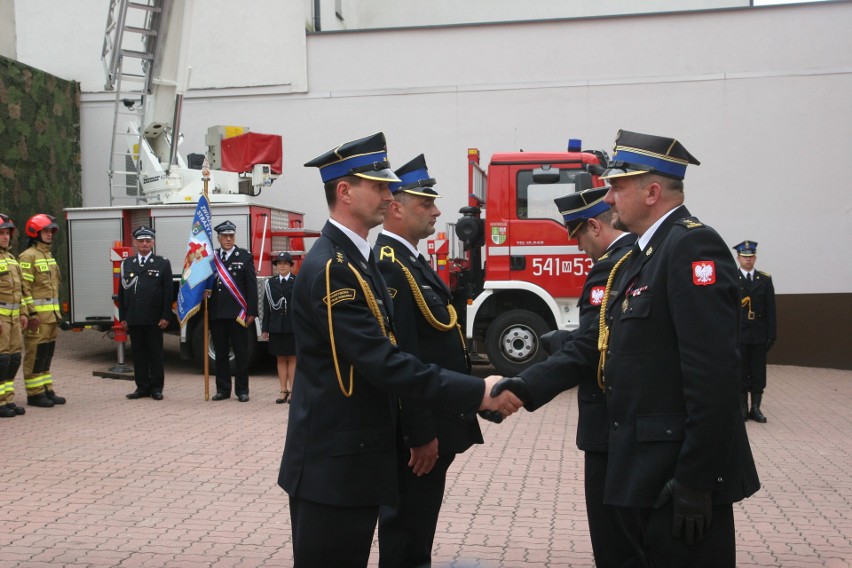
503 397
692 510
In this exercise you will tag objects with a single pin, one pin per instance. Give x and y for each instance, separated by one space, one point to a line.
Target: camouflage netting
39 151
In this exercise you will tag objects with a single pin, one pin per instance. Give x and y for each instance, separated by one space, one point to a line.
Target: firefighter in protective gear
12 321
41 281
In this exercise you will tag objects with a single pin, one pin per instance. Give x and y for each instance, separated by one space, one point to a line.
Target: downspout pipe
317 18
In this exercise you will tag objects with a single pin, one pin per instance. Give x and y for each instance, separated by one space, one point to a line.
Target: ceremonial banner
197 266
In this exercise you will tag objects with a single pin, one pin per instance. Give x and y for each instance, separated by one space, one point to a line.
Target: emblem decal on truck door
498 234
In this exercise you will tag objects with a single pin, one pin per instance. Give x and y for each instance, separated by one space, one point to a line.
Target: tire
198 349
513 341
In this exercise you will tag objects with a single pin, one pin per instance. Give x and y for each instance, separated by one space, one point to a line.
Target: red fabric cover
241 153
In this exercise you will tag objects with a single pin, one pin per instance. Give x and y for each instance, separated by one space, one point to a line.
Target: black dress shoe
137 394
18 409
243 397
157 395
220 396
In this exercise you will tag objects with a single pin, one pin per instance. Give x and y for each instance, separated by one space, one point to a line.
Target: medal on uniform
624 305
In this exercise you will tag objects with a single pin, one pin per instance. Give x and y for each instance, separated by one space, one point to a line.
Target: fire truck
513 270
151 183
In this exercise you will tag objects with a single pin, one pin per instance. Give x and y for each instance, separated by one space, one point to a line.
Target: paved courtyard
105 481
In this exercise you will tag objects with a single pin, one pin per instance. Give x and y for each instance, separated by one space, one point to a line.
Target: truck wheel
198 350
513 341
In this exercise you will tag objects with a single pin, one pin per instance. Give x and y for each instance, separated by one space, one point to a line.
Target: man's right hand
34 323
506 403
515 385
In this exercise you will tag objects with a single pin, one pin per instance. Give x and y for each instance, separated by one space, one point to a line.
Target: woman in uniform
277 323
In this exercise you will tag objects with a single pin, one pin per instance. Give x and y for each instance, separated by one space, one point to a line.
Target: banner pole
205 176
206 354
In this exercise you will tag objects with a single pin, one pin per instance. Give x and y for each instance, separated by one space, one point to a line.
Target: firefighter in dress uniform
666 348
589 220
41 280
230 322
277 325
12 320
339 462
426 325
757 328
144 309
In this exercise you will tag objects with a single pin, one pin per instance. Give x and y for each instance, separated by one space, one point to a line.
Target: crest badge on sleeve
596 295
704 272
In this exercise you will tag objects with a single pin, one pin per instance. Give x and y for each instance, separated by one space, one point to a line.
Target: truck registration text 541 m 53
555 266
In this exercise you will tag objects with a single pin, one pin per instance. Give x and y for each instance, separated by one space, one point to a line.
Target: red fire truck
516 275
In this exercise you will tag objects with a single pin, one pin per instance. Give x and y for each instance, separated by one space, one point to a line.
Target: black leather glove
692 510
491 416
769 344
515 385
552 341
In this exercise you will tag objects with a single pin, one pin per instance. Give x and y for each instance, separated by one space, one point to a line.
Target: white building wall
397 13
759 95
233 44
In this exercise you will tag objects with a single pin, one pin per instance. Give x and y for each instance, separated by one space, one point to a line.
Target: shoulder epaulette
690 223
765 274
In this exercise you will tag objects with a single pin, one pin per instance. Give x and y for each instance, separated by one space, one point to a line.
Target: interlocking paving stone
105 481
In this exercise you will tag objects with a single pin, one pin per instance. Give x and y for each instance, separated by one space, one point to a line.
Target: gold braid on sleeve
372 304
346 393
603 335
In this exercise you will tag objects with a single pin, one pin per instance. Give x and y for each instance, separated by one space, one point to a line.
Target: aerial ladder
132 41
146 63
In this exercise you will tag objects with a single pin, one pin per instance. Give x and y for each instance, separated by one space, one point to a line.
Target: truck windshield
535 201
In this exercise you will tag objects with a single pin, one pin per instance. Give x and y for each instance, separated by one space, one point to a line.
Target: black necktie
224 256
748 277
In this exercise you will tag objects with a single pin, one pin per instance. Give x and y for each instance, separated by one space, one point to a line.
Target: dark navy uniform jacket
593 420
340 450
240 265
761 328
280 320
672 369
455 432
149 299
